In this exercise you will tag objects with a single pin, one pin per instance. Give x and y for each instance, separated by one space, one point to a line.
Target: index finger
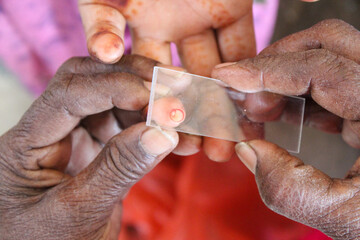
332 80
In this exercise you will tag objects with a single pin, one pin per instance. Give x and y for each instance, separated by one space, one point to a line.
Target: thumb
88 200
302 192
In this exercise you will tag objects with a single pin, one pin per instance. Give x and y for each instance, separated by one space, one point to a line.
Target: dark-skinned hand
69 129
321 62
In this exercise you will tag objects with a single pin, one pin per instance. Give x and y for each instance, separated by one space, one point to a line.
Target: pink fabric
38 36
264 19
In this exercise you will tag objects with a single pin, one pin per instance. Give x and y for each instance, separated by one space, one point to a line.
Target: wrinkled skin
68 130
323 63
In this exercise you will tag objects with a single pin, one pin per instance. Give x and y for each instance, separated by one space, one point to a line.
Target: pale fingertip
247 155
106 46
156 141
188 145
218 150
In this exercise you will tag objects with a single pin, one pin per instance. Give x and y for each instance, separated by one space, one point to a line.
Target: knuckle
332 23
71 64
126 161
57 95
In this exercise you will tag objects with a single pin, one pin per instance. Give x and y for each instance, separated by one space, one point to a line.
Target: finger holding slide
332 80
101 186
301 192
104 28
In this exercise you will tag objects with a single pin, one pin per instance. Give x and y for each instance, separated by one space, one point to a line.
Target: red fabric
195 198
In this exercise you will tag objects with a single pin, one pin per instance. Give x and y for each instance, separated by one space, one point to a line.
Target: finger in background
237 40
104 29
199 53
152 48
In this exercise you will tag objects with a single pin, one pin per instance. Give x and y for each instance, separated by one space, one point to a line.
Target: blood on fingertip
168 112
177 115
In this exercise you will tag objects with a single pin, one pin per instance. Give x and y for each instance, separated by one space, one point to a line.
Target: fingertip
247 155
218 150
168 112
188 145
106 47
157 141
243 76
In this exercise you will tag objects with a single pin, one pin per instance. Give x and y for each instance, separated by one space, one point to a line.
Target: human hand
64 129
189 24
322 62
155 24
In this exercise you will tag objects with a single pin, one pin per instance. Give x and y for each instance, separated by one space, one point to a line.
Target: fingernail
225 64
247 155
156 141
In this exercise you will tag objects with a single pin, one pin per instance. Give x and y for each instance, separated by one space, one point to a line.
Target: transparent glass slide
207 107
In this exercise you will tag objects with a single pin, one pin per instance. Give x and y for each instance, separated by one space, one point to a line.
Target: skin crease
63 131
214 31
321 62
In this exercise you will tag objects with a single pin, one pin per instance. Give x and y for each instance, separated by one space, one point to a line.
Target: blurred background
329 154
